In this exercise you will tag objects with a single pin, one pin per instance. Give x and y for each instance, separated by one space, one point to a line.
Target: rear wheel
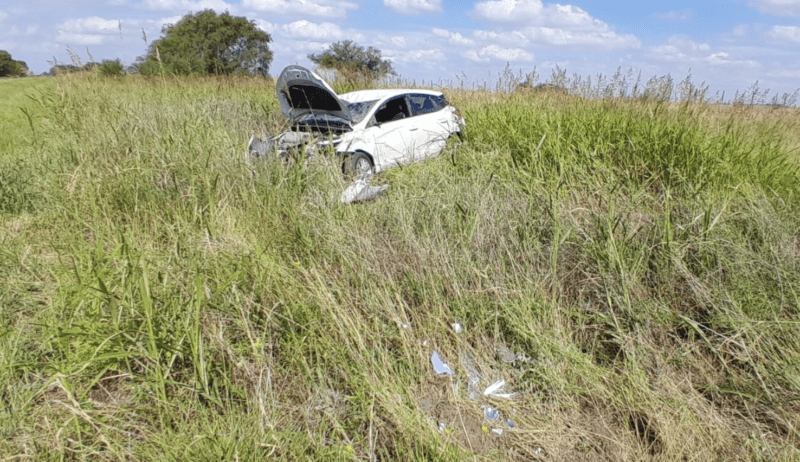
357 165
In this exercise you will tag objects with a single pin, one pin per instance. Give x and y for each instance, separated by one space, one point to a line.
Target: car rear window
425 104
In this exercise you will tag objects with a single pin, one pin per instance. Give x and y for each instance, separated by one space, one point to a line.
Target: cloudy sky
729 45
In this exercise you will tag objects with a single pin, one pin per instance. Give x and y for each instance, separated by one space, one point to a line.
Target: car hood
303 93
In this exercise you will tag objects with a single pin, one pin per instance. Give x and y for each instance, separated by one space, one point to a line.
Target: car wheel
357 165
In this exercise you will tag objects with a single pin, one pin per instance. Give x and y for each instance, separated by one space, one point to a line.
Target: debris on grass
491 413
360 190
440 366
497 424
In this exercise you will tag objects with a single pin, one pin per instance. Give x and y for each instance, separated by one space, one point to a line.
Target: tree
353 61
111 68
10 67
207 43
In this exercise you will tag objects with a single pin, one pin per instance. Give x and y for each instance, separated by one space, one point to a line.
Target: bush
111 68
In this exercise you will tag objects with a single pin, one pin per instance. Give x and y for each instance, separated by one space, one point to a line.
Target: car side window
425 104
394 109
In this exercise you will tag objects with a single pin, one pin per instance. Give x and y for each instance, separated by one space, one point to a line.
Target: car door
434 123
398 138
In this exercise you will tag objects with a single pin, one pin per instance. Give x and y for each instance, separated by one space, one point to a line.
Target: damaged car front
370 129
317 116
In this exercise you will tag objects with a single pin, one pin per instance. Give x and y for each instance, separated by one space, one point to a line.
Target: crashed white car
371 129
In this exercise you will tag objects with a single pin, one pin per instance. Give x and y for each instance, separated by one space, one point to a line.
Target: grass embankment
630 269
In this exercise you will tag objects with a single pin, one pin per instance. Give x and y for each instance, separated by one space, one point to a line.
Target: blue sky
729 45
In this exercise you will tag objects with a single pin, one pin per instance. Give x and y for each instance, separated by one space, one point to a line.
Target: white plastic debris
442 427
494 387
405 326
498 431
425 343
439 366
457 327
495 390
491 413
361 190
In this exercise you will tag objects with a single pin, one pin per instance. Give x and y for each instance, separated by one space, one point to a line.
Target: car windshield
359 110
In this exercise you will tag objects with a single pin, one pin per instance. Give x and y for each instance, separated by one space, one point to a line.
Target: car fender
359 144
354 149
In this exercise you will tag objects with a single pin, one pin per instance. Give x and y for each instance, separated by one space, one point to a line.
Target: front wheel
357 165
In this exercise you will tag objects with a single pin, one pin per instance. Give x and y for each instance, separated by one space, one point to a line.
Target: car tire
357 165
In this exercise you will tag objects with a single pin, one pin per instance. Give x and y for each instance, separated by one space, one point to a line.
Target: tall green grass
164 298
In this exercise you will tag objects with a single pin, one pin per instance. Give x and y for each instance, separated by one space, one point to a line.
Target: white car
371 129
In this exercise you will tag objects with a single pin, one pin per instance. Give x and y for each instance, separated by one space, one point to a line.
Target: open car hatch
305 97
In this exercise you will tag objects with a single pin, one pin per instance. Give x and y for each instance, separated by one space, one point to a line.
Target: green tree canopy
10 67
207 43
353 61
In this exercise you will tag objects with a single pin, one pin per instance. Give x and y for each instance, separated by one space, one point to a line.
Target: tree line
207 43
9 67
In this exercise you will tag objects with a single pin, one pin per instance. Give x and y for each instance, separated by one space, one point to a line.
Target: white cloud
454 38
496 53
399 40
169 20
777 7
186 5
684 44
425 58
553 24
318 8
679 15
309 45
266 26
785 33
679 49
414 6
588 39
310 30
722 58
514 37
572 17
686 51
669 53
87 31
534 13
80 39
509 11
91 24
3 15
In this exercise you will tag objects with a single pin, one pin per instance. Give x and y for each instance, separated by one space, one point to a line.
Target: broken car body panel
391 126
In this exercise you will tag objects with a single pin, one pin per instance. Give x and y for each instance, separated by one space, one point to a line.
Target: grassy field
630 268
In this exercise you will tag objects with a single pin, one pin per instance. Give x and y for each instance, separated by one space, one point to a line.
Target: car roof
371 95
